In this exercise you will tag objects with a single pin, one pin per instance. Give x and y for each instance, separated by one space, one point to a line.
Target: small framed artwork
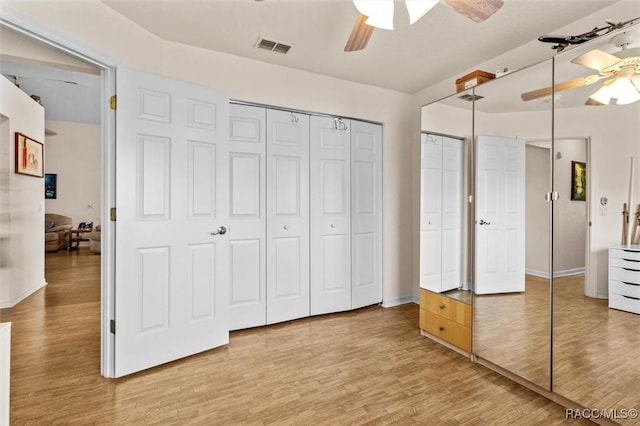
578 181
50 185
29 156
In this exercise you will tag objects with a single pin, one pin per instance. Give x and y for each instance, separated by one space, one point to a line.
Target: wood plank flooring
596 350
365 367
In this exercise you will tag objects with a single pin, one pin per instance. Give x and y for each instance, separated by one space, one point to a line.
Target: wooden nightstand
446 318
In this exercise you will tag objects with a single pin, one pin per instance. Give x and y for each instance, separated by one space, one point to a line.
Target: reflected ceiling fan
620 72
379 14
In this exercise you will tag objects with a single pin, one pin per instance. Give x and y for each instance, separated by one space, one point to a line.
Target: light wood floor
596 350
365 367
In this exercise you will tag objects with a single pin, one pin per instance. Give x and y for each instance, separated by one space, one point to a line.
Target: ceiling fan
379 14
620 72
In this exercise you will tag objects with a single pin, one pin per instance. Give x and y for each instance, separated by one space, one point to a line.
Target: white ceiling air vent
272 45
469 97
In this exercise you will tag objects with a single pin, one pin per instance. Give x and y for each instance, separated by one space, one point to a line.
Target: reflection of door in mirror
499 215
441 213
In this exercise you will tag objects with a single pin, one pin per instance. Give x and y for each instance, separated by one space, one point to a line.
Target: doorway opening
74 88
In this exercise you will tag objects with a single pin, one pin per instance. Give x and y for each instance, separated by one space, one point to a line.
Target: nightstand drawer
624 303
628 275
446 307
621 253
624 288
448 331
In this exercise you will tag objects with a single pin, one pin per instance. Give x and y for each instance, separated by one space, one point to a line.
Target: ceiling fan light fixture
603 94
418 8
624 91
379 12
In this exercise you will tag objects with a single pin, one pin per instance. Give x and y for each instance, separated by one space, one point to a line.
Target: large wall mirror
556 296
596 303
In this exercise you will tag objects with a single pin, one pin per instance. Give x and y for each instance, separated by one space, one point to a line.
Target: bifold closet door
287 216
247 189
366 214
451 213
431 212
330 215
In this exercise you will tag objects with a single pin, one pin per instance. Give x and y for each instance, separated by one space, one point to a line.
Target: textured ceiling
407 59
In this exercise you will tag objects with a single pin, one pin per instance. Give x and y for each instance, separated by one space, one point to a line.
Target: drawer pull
442 306
629 297
630 251
442 328
630 269
631 260
627 283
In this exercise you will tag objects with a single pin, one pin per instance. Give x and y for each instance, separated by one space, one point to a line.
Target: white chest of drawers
624 278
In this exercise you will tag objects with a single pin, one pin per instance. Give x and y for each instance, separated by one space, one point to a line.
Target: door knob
220 231
482 222
286 227
332 225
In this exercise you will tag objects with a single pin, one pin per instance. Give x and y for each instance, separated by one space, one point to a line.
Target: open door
500 220
171 294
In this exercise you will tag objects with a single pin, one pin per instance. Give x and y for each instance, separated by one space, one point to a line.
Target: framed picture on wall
50 185
578 181
29 156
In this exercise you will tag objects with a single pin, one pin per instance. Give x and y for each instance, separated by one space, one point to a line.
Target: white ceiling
443 43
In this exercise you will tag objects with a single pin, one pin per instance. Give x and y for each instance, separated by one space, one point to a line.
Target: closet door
330 215
287 216
431 213
247 188
451 213
366 214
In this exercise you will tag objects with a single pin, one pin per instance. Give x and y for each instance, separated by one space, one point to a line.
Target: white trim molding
557 274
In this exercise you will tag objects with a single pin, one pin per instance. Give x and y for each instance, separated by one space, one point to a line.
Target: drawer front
624 254
448 331
460 313
625 275
623 303
624 288
630 264
432 323
437 304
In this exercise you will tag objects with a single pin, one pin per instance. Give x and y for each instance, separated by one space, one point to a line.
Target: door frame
34 30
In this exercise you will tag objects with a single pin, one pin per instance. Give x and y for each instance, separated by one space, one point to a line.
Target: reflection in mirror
445 296
512 279
596 342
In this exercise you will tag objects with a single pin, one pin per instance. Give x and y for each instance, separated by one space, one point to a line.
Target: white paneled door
330 215
287 216
366 214
431 212
500 215
247 255
451 213
171 283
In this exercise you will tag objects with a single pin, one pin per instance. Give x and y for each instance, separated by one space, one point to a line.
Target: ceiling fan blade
596 59
476 10
565 85
360 35
593 102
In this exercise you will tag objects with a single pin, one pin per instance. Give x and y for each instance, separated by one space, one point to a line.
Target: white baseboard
557 274
400 301
20 297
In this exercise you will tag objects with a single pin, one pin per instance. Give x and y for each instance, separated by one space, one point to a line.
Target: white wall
537 218
250 80
74 155
22 270
570 217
